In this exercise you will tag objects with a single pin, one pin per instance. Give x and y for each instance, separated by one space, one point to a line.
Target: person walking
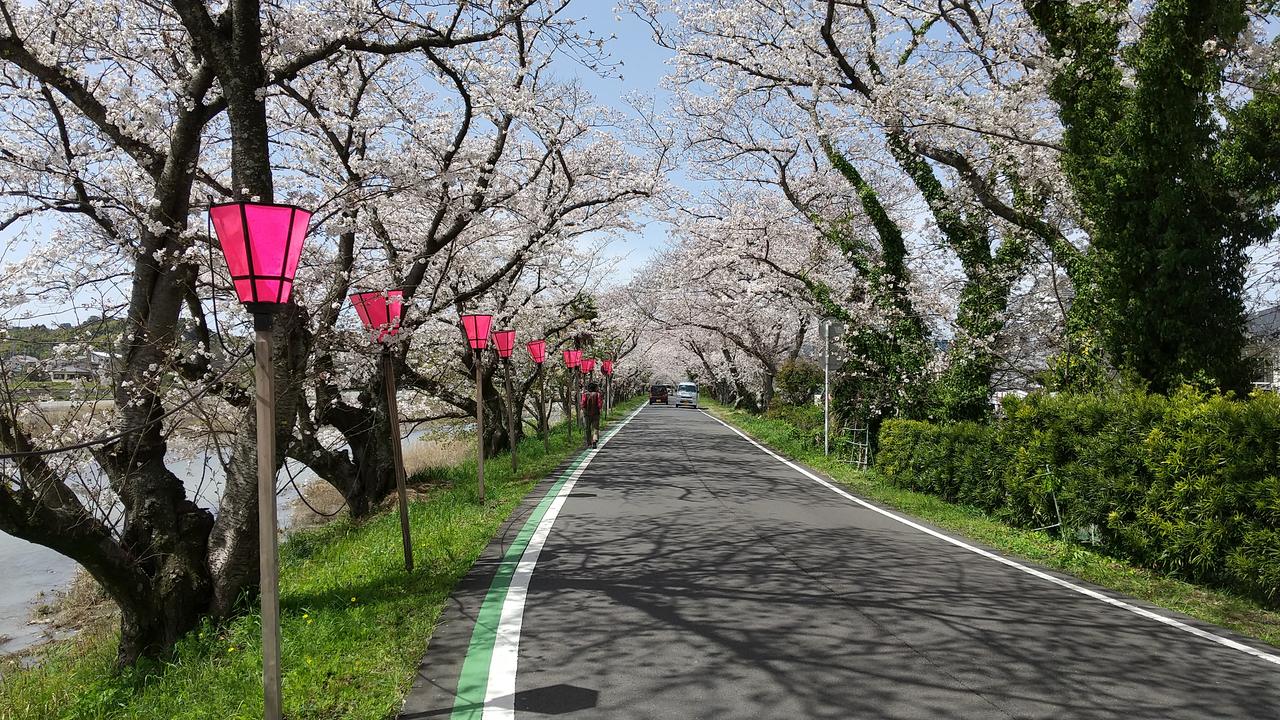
592 403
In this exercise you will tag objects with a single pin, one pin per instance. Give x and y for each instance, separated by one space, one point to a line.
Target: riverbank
50 598
41 598
354 623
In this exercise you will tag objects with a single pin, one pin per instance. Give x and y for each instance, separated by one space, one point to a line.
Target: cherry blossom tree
122 118
699 284
925 113
467 188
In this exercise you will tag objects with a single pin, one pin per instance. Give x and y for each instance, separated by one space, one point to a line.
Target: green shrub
804 421
1187 484
950 461
798 380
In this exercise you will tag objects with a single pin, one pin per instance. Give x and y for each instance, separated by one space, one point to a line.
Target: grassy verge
1221 608
354 623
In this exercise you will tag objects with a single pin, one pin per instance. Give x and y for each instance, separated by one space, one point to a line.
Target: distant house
1263 330
72 372
102 364
22 365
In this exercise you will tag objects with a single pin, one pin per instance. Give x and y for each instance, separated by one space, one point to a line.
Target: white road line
1143 612
500 693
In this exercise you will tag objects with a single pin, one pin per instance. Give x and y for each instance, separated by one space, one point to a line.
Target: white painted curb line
1171 622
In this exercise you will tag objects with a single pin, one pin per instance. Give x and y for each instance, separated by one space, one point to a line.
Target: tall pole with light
826 327
571 367
379 312
477 328
538 353
577 388
505 342
606 368
262 244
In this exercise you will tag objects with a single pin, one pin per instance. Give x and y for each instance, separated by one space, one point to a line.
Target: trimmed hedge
1187 484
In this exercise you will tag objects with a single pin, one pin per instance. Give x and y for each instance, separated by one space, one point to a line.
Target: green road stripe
473 679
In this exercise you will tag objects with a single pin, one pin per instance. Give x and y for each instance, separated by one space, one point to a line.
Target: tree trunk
766 389
363 473
496 439
165 534
367 474
512 411
743 399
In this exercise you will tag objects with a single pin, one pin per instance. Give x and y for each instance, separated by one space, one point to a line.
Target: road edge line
1115 602
495 641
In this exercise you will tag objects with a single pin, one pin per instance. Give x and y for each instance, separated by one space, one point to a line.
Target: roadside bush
1187 484
950 461
798 380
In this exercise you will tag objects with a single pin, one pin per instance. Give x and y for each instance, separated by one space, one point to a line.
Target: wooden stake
268 565
397 455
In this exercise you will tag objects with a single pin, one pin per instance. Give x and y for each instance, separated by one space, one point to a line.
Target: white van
686 394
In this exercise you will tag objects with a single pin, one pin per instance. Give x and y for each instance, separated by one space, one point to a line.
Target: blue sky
642 70
643 67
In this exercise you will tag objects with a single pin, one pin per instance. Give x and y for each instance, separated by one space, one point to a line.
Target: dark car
658 394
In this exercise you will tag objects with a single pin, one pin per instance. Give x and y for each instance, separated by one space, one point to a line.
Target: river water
32 571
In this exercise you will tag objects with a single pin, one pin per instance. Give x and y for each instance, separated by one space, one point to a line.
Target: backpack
592 404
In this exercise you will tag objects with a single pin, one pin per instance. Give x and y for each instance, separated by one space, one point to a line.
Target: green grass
1237 613
354 624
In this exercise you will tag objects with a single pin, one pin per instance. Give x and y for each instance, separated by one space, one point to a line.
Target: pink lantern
537 350
379 311
571 359
477 327
262 243
606 367
505 340
588 364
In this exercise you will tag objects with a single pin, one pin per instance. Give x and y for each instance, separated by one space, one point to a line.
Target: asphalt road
691 575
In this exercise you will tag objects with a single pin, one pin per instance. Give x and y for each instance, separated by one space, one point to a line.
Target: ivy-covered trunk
1175 181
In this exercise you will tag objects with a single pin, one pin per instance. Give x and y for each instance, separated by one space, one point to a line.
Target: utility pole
825 328
826 387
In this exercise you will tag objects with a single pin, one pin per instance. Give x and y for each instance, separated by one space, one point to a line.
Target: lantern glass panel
537 350
477 328
379 312
505 341
262 244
